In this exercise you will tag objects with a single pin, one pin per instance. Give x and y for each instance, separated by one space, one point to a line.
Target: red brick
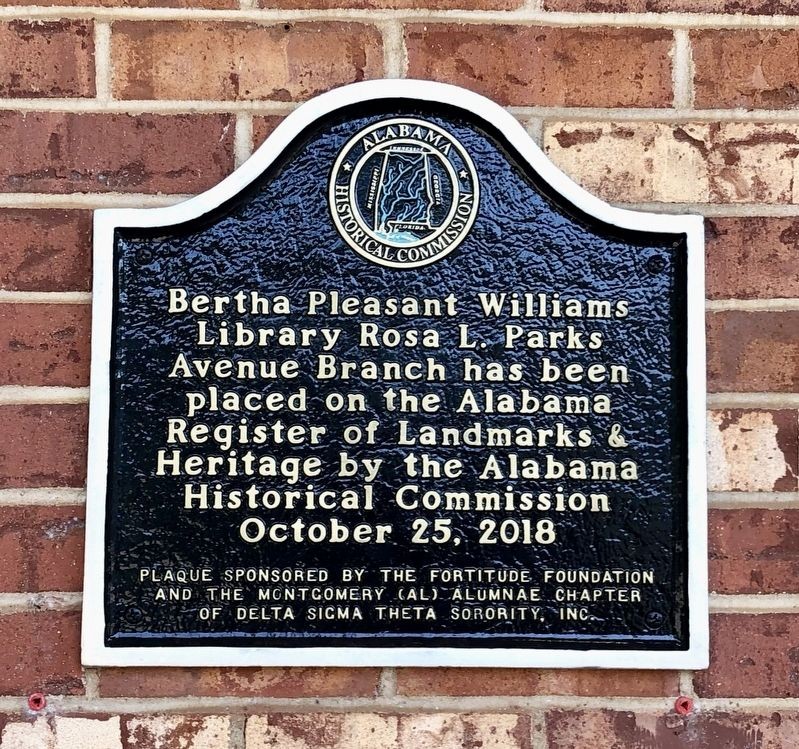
693 162
527 66
396 4
263 127
708 729
46 58
753 351
239 682
45 250
43 445
759 7
12 557
752 656
41 548
599 6
69 152
516 682
754 551
41 652
360 730
228 60
754 69
44 344
132 3
752 258
28 731
752 450
176 732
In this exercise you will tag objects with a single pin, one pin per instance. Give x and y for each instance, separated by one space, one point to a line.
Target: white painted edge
95 653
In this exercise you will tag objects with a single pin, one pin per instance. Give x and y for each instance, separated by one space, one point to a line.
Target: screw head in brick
37 701
655 264
684 705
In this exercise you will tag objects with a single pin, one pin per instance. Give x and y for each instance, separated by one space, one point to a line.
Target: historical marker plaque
397 392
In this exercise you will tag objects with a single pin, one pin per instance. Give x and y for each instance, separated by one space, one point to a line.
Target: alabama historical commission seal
403 193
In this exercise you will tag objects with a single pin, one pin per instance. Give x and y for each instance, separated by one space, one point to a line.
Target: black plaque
396 392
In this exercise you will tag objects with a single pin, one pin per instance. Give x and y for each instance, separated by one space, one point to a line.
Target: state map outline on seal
403 192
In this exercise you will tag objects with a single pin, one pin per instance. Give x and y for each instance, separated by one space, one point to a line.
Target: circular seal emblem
403 193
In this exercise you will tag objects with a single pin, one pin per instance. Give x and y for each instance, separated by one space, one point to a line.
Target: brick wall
668 104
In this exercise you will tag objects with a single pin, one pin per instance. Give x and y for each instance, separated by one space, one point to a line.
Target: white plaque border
106 221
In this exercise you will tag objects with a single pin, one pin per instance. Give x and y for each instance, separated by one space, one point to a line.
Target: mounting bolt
135 615
37 701
684 705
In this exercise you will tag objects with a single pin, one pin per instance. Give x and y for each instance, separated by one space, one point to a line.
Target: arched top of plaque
398 269
412 97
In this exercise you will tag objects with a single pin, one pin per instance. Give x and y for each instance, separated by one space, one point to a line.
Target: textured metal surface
279 238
